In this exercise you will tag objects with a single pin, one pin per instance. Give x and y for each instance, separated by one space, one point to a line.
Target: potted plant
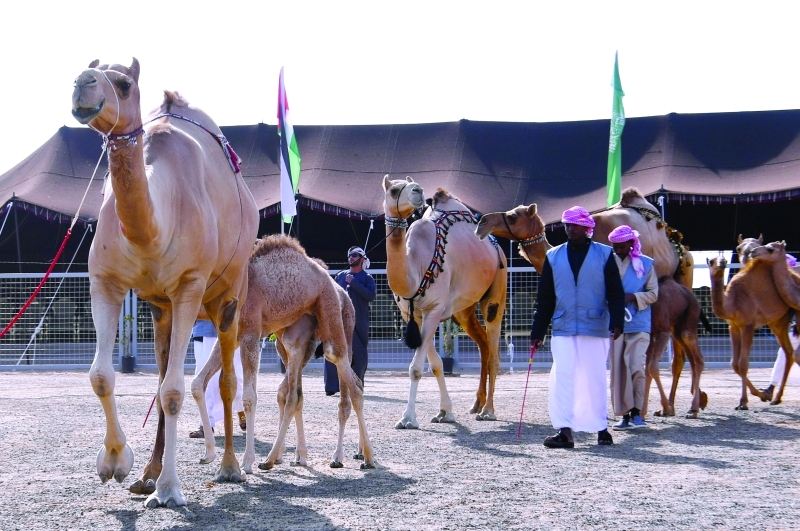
128 360
449 338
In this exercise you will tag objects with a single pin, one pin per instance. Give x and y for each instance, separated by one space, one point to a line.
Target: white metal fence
65 336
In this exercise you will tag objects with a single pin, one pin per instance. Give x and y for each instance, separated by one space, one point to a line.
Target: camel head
774 252
746 247
106 97
402 197
517 224
716 267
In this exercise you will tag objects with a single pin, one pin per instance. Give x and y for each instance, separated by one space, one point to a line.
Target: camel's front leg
355 392
115 458
162 328
688 341
168 486
198 388
288 398
658 343
229 466
250 346
344 414
741 364
678 360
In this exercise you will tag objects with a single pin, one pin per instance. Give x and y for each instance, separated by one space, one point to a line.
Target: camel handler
581 292
629 351
360 286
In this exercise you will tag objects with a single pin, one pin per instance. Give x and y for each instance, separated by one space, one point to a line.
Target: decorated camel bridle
536 238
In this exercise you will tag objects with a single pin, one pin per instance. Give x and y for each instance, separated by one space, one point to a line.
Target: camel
432 289
674 307
284 286
749 302
177 227
787 282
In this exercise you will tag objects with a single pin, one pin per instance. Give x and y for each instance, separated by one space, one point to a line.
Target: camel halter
536 238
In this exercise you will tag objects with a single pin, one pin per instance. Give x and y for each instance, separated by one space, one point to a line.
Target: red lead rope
530 362
39 287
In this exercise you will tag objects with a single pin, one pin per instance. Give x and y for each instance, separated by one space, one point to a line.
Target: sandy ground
727 470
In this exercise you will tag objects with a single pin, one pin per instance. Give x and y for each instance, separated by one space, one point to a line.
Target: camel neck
134 207
397 271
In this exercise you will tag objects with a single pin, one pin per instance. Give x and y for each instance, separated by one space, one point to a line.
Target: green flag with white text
614 182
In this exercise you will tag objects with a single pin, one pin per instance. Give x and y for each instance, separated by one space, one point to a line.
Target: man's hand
348 278
615 333
536 343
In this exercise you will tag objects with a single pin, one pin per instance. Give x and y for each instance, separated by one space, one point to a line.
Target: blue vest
582 308
632 284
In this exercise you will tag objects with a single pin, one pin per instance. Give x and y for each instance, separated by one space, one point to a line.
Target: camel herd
178 225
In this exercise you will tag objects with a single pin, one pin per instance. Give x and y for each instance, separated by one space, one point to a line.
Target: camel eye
394 192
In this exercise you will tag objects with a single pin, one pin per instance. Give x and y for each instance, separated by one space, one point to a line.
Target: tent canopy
490 166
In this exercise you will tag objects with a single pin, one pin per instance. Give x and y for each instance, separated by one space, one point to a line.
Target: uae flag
290 156
614 174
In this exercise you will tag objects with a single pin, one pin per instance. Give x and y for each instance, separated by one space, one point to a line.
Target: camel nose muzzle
84 105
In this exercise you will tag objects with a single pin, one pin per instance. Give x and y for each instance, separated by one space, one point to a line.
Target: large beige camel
787 282
431 287
284 286
675 308
178 227
749 302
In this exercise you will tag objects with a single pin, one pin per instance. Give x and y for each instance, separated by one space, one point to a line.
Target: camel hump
276 242
174 98
633 197
444 197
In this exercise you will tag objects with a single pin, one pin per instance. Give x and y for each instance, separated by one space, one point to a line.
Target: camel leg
115 458
688 341
289 347
168 486
493 306
781 330
250 349
162 328
658 342
344 414
198 388
741 363
678 360
430 321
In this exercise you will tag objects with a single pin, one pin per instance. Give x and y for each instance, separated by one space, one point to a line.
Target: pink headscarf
624 233
579 216
791 260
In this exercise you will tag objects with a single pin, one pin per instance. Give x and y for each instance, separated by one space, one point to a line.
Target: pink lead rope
530 362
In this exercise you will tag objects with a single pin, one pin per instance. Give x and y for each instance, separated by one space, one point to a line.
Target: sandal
198 433
559 440
604 438
242 421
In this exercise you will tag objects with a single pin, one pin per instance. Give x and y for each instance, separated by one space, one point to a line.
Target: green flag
614 182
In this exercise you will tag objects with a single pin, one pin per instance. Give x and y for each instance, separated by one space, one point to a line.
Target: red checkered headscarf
624 233
578 216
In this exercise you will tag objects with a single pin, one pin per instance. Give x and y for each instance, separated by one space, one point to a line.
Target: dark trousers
359 366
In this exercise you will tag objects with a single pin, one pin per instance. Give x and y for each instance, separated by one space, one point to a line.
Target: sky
400 62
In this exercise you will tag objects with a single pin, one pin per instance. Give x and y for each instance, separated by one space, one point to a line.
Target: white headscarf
359 250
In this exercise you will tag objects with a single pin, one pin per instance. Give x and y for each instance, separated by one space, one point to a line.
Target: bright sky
400 62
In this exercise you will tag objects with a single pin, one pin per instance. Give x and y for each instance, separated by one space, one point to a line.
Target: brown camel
285 285
177 226
523 225
432 289
749 302
787 282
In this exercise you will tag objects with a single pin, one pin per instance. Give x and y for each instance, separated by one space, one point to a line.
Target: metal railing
65 336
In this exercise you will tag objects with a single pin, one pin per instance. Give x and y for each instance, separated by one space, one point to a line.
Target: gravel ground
727 470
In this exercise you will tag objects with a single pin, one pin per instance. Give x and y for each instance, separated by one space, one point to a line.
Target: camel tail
413 337
705 321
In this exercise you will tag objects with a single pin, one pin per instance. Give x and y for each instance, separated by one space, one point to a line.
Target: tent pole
16 226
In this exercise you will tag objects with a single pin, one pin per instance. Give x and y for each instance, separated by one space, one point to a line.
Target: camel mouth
84 115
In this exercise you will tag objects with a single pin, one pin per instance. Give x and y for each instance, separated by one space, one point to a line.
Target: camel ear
409 179
135 70
532 210
386 182
94 63
740 239
760 239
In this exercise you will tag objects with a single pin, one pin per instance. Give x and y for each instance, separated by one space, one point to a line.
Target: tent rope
10 205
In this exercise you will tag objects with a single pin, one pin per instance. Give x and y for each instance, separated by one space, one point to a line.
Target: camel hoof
776 402
143 487
230 477
358 457
168 499
691 414
111 464
741 407
487 415
367 466
703 400
661 413
404 424
444 417
266 465
336 464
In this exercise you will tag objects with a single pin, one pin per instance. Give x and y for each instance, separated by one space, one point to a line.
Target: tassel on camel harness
413 338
